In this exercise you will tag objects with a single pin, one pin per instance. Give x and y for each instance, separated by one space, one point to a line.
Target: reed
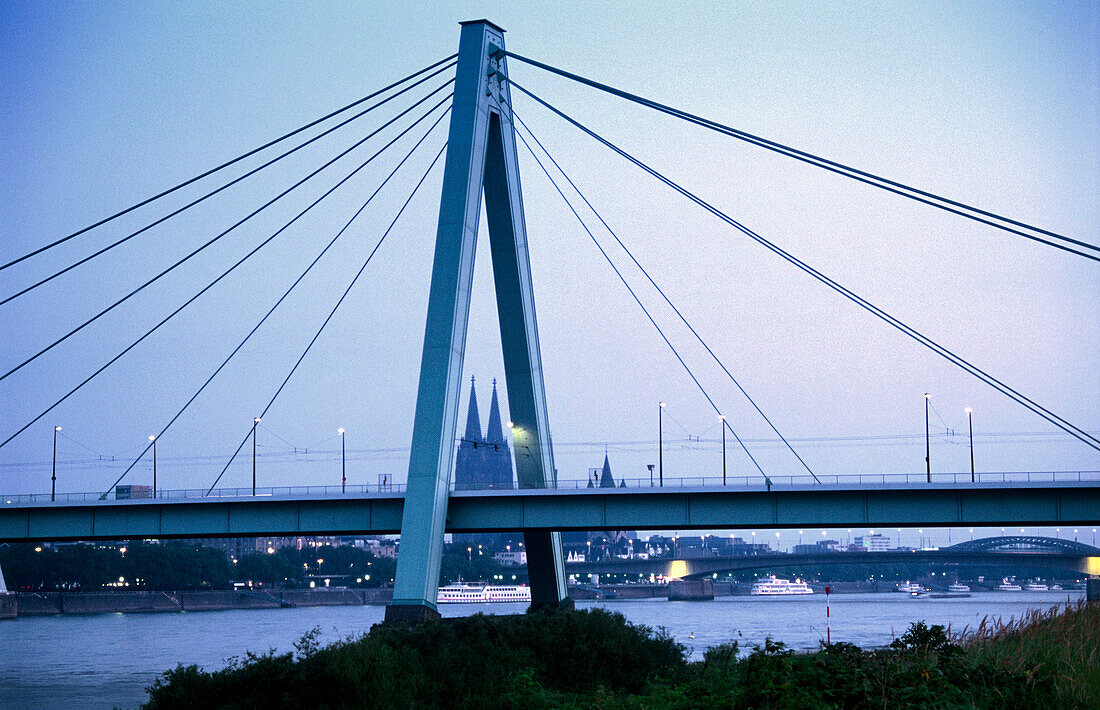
1061 645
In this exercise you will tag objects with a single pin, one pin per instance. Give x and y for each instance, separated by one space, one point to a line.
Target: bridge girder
705 566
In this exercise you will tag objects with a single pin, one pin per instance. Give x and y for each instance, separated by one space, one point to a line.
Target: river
106 660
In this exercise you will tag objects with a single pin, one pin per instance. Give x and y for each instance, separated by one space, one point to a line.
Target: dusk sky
996 105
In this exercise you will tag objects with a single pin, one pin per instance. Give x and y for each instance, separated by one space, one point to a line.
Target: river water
106 661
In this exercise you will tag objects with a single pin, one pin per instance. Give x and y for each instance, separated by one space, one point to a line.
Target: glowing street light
153 441
661 444
343 464
255 422
970 421
722 419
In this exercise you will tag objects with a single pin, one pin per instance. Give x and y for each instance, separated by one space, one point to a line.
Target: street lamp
53 474
927 441
661 443
970 421
722 419
255 422
343 464
153 441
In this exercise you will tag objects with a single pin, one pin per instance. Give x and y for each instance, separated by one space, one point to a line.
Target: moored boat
1035 586
908 587
479 593
958 587
774 586
1008 585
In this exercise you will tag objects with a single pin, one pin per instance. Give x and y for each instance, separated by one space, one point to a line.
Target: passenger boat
1007 585
1035 586
940 595
908 587
958 587
773 586
479 593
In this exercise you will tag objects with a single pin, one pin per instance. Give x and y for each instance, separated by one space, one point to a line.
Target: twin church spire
494 434
484 461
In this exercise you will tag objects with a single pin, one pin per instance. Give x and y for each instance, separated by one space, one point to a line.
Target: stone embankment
47 603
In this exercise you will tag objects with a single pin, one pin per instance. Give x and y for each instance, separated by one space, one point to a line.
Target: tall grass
1061 645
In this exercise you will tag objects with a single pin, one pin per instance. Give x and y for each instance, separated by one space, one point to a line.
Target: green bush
481 661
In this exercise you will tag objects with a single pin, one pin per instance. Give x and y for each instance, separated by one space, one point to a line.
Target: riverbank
145 602
595 658
53 603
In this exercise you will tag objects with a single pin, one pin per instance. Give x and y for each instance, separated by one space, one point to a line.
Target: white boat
1035 586
1008 585
1055 587
940 595
958 587
774 586
908 587
480 593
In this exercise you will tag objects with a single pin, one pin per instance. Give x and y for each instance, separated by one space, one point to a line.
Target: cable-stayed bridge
480 162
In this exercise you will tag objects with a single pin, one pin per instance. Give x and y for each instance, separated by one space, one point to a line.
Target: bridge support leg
481 157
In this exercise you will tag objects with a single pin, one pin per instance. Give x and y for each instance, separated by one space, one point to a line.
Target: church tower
483 462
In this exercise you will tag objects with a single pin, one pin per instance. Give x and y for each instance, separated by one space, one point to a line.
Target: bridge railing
755 483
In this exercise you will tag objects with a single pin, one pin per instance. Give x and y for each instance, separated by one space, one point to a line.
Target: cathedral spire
495 432
473 420
606 480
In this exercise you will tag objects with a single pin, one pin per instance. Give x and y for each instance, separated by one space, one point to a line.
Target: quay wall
139 602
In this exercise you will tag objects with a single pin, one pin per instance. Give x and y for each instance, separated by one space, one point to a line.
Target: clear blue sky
104 104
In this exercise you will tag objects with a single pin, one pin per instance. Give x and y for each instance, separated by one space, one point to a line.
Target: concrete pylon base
410 614
566 604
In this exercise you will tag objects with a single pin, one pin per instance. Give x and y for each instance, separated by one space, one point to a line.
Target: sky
105 104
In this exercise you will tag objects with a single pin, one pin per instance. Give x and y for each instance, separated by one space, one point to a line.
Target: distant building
484 462
511 558
873 543
818 548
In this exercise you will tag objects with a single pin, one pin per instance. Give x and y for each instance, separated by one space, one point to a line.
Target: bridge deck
978 504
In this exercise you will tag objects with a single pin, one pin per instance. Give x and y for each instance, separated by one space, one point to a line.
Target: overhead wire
219 278
331 313
227 231
287 293
978 373
226 186
228 163
665 297
959 208
642 305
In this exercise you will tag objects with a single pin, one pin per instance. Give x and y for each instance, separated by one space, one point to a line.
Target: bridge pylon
481 159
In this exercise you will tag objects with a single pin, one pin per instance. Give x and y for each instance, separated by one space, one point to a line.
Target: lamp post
153 441
343 463
722 418
927 440
255 422
661 444
970 422
53 474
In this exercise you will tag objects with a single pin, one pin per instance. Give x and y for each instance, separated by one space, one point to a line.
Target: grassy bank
596 659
